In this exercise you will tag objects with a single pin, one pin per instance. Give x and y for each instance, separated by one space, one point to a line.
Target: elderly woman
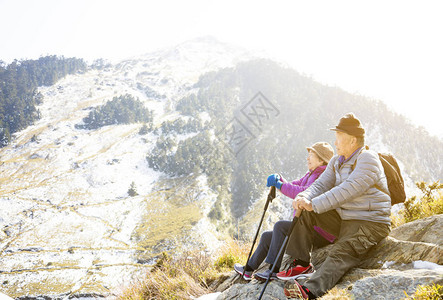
270 242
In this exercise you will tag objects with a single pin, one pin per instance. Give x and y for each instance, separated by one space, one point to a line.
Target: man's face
343 144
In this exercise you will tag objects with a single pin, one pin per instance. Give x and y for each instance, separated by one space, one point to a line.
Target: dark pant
271 242
355 239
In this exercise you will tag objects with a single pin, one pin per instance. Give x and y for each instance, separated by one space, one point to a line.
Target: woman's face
313 161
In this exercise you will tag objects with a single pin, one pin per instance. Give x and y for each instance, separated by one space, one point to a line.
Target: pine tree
5 137
18 89
145 129
132 191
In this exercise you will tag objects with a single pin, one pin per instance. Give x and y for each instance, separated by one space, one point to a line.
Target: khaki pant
355 239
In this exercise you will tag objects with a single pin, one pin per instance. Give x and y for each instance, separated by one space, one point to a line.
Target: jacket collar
341 158
351 160
319 169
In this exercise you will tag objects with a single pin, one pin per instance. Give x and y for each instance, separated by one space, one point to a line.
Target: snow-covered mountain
69 226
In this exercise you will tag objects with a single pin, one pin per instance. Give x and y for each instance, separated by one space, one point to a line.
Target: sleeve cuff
316 207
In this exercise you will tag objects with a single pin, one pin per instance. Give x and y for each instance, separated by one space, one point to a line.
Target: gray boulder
428 230
252 291
389 284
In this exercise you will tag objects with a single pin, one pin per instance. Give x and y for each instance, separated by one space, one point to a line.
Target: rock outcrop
411 255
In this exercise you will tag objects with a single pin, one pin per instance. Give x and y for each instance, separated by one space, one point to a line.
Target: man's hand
302 203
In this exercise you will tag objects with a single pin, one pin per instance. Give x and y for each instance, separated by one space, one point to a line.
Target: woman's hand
274 180
302 203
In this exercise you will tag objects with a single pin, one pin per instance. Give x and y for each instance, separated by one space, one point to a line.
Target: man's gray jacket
359 193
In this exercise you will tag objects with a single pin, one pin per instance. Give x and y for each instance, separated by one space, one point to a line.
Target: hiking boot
263 276
296 271
239 269
293 289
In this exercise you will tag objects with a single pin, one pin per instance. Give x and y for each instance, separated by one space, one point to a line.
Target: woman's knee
266 237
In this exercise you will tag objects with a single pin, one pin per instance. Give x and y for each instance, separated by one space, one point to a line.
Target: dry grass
185 276
337 294
181 278
160 285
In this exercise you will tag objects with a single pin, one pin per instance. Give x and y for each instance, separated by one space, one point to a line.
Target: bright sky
389 50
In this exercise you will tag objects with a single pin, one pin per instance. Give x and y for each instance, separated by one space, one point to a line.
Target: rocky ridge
411 255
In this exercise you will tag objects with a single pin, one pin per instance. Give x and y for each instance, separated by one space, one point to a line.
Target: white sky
388 50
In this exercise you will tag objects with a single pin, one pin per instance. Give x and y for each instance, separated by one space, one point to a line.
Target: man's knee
357 245
282 227
307 218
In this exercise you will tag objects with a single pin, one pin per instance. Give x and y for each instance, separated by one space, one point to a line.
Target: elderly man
351 201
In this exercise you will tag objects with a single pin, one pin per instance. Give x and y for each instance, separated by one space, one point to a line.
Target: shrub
145 129
430 203
226 261
216 212
427 292
232 252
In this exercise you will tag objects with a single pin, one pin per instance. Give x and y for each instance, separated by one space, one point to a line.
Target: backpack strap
355 163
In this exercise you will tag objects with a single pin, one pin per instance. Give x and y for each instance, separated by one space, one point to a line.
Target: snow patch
6 297
205 117
212 296
388 264
419 264
65 196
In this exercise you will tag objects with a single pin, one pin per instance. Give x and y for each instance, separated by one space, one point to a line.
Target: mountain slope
283 112
67 218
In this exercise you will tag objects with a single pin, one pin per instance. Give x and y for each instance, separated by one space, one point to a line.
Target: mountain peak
185 62
206 39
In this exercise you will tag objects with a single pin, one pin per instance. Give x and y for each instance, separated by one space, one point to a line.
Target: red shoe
295 290
295 272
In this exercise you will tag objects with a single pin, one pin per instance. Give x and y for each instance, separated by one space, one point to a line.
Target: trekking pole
271 197
282 250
